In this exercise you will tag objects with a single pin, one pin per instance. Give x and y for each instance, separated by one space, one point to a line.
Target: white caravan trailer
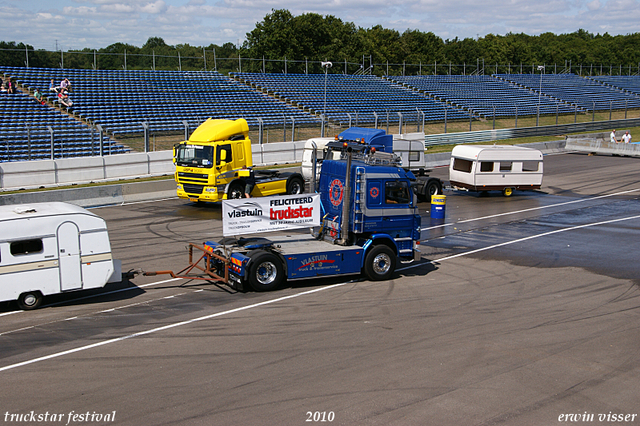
49 248
495 167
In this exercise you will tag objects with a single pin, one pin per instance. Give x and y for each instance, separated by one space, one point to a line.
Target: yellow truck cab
209 166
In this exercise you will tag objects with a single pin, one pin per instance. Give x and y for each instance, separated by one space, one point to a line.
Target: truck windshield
194 156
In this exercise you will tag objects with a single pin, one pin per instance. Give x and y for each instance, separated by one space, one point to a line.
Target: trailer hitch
205 271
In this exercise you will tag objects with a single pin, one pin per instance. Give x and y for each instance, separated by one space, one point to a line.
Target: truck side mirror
223 157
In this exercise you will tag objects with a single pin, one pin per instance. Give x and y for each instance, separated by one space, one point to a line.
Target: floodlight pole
541 69
326 66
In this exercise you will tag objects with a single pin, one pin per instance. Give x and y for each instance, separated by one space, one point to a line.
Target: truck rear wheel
295 186
433 187
380 263
265 271
30 300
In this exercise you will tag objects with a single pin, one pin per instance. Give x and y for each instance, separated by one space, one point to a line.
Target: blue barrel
438 206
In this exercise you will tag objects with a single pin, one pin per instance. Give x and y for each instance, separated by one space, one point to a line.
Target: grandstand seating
25 134
481 94
587 93
120 100
356 95
627 83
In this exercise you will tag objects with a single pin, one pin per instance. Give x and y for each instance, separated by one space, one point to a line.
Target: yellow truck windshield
194 156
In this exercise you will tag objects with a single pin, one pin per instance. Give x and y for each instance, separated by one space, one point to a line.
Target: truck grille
193 175
192 189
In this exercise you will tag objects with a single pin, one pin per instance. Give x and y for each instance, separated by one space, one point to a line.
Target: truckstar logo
290 213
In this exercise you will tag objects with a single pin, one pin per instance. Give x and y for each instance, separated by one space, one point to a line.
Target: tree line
282 42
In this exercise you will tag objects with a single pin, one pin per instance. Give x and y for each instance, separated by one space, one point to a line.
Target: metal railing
500 134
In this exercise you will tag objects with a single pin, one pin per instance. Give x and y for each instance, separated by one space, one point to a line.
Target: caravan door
69 255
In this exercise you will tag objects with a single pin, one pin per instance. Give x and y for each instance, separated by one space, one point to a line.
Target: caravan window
461 165
414 156
26 247
505 166
486 166
530 166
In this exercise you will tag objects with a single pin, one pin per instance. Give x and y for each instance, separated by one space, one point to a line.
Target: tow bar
187 273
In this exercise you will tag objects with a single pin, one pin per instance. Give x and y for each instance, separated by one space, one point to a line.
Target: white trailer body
410 151
320 145
495 167
50 248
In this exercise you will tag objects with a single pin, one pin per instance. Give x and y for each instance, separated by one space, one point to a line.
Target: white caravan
50 248
495 167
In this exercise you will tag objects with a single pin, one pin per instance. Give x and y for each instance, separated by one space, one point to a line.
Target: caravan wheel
30 300
507 192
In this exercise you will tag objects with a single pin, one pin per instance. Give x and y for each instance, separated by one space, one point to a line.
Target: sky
76 24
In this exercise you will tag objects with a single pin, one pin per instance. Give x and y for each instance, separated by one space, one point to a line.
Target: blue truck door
374 206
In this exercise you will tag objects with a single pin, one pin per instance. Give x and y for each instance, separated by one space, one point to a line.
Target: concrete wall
49 173
158 163
97 195
600 143
68 171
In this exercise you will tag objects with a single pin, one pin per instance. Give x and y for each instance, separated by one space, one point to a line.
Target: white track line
166 327
582 200
519 240
92 296
113 292
268 302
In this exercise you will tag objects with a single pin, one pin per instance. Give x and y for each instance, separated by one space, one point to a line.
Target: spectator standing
626 138
613 136
9 86
249 180
3 88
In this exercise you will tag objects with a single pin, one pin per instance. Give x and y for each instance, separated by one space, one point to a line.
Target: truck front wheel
265 272
236 190
380 263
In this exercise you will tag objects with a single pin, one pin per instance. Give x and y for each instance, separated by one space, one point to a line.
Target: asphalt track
523 311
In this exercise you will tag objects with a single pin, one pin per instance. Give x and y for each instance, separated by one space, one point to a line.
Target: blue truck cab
370 221
381 205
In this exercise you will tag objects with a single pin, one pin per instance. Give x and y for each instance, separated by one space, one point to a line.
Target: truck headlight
179 187
210 189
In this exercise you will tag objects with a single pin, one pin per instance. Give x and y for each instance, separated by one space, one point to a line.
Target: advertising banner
268 214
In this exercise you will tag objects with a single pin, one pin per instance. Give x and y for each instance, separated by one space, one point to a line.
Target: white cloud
594 5
154 8
99 23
